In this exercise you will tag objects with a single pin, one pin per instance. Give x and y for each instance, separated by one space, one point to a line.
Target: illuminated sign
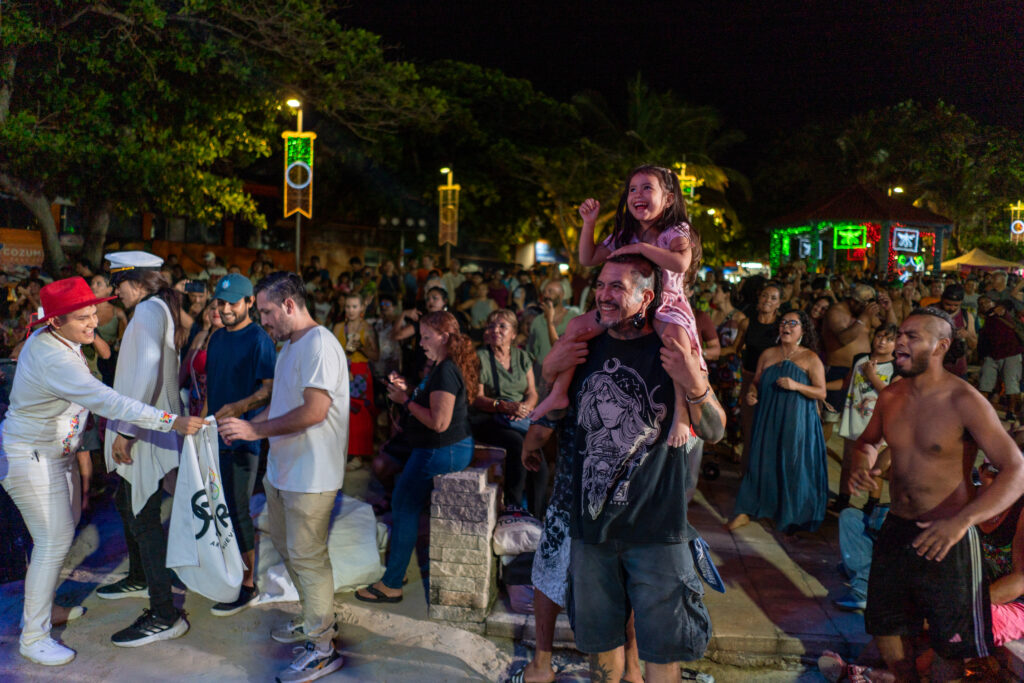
1017 227
906 239
298 173
856 254
849 237
805 248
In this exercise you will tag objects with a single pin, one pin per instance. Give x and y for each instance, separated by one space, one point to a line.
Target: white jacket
147 370
52 396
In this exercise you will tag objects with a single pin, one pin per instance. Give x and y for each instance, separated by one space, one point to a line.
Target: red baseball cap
61 297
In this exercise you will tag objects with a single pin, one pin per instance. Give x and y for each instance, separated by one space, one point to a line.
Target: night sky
767 66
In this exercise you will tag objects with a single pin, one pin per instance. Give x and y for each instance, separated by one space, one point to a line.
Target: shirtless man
927 561
845 333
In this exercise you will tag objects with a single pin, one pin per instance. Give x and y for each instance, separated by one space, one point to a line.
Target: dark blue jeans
411 493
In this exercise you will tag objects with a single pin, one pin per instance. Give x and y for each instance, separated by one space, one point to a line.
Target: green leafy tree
135 105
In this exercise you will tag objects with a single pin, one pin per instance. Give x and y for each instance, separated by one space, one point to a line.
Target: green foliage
996 245
155 105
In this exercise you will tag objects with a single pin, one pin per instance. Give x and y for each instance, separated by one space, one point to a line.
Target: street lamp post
448 215
298 177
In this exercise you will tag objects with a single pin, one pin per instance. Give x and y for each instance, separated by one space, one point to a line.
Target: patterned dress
726 375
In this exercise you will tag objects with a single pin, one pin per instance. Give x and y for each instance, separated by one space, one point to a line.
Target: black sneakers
150 628
125 588
247 596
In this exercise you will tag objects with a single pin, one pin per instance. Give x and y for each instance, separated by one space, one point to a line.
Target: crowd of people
635 364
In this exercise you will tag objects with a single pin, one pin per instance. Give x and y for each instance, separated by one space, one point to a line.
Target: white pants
47 492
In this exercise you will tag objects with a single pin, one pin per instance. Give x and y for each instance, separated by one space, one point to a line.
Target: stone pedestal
463 570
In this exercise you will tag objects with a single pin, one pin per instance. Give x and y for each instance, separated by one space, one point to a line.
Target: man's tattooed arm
708 419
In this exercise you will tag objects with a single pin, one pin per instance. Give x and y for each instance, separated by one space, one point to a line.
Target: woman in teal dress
787 479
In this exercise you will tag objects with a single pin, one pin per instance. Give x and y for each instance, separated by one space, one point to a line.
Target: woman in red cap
50 401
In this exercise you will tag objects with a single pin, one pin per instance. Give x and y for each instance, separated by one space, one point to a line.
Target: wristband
700 399
405 404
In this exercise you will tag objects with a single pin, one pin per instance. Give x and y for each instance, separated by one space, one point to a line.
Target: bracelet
406 403
858 320
700 399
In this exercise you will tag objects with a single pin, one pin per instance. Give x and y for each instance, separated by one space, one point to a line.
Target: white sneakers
47 652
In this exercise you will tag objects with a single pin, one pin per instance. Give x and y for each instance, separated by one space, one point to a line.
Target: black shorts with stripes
905 589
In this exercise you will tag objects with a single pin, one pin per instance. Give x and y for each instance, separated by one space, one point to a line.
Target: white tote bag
202 547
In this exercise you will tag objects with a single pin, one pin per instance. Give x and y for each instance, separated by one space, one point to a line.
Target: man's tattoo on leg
598 673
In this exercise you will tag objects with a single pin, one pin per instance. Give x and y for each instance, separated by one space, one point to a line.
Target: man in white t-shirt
307 424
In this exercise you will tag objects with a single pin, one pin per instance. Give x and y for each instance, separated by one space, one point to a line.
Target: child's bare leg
558 397
679 433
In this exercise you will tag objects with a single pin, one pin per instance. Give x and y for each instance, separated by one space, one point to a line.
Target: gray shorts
1008 368
657 581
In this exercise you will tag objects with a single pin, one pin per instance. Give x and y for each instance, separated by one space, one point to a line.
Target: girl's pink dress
675 307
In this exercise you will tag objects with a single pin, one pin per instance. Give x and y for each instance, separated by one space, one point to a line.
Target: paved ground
769 626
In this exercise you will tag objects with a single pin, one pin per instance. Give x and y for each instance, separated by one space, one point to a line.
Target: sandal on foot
518 676
378 596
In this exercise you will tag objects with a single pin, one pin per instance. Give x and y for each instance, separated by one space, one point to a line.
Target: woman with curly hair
787 476
439 427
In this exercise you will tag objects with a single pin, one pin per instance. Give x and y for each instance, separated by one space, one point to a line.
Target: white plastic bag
354 545
516 533
202 547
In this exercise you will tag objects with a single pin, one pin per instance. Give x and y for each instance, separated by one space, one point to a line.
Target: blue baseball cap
232 288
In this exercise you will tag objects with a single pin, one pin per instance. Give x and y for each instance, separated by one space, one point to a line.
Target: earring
639 319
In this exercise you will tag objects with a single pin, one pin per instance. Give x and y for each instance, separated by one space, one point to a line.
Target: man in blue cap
240 361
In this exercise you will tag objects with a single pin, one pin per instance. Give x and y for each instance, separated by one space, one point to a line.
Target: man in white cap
147 370
52 396
211 269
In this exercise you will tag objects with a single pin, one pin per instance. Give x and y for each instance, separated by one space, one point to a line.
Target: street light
896 190
298 176
448 214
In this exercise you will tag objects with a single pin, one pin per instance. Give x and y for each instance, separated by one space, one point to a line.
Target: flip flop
378 596
518 676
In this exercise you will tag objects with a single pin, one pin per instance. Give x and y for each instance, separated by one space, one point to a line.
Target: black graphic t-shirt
627 484
445 377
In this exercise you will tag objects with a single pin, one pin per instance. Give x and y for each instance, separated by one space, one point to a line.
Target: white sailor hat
123 262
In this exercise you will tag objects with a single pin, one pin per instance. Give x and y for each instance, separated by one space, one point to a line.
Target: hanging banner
448 215
298 173
906 239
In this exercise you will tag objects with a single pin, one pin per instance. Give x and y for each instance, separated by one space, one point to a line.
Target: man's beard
918 366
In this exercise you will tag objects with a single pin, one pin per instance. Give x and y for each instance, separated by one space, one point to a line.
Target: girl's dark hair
887 330
810 336
153 283
460 348
627 227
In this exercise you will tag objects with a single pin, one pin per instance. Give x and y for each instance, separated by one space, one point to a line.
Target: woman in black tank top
757 333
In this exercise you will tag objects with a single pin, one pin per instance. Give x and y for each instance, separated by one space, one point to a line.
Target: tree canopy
155 105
